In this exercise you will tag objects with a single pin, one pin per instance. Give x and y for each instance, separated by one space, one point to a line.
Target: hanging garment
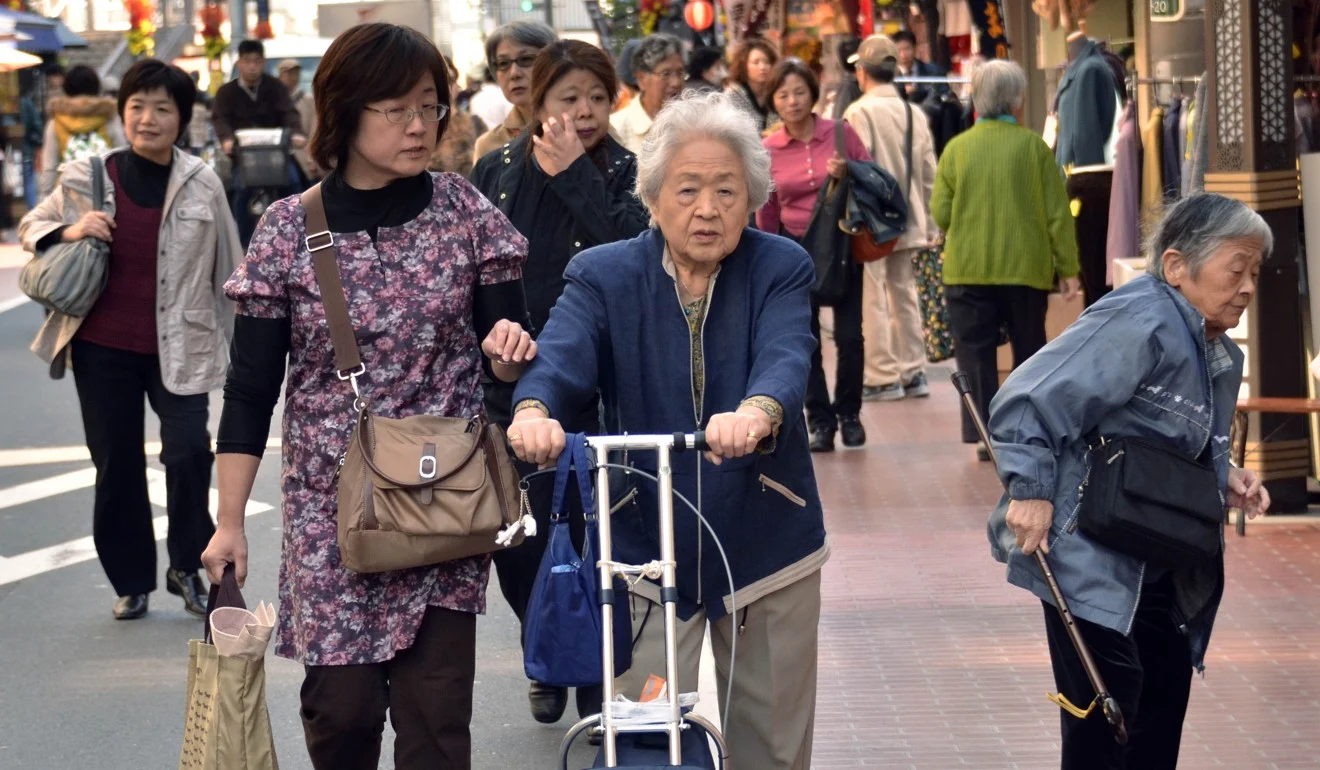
1125 195
1172 155
1304 113
1088 191
1087 104
1152 166
1198 143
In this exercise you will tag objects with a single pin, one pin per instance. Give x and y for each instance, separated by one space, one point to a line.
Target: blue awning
68 37
43 34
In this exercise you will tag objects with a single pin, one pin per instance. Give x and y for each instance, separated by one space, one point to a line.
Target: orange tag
654 689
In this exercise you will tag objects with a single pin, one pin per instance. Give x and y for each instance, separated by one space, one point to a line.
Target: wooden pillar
1253 158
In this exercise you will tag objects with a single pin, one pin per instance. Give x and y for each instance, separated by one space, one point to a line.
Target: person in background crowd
289 71
706 70
1002 253
623 67
33 137
567 187
847 91
489 102
110 86
802 159
438 268
82 123
253 100
658 67
510 52
455 152
54 75
891 314
1151 360
749 79
910 65
158 332
723 315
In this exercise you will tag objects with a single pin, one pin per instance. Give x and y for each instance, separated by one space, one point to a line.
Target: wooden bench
1242 421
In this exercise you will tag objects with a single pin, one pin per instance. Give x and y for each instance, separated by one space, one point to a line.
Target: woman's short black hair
81 80
150 74
369 63
701 60
789 67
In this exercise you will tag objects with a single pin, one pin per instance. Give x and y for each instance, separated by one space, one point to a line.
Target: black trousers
976 315
517 567
1091 191
111 387
1150 675
848 372
427 690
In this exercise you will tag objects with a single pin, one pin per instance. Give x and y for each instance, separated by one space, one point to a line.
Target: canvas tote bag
226 725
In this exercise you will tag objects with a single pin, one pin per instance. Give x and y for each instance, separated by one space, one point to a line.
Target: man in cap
899 139
289 72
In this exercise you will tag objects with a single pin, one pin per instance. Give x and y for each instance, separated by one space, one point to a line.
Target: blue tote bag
562 642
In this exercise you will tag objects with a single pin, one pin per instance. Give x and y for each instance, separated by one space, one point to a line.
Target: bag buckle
328 244
426 467
351 375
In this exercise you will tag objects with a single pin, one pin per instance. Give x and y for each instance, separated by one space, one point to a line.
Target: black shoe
131 607
589 700
822 438
982 453
189 586
854 435
548 703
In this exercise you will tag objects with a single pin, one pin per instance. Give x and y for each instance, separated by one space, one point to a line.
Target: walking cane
963 384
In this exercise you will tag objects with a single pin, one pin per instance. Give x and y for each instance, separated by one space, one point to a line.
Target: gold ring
752 435
516 438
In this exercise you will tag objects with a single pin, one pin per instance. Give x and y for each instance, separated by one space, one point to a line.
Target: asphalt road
81 690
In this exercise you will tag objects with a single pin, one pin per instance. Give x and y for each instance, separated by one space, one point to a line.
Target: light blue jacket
1136 364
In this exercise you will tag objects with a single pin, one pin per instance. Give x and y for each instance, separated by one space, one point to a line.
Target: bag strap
575 459
348 361
562 470
907 150
223 594
98 183
582 459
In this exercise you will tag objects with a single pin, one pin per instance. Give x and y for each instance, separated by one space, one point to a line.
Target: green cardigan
1000 198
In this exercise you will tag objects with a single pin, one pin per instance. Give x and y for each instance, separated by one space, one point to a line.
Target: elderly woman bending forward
703 322
1148 361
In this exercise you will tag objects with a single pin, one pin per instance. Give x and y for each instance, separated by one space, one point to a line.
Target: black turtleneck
260 347
350 210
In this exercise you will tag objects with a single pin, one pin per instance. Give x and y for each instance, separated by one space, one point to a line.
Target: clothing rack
1172 80
932 79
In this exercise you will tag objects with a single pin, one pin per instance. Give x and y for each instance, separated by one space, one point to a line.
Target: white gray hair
712 115
998 88
654 49
1198 225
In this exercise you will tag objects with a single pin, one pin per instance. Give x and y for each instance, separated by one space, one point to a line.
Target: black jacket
602 204
234 110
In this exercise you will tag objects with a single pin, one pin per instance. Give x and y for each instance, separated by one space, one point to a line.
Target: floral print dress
410 298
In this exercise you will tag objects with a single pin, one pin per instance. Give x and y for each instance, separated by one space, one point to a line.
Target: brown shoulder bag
414 491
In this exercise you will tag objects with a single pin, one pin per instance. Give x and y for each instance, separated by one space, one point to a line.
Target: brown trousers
427 690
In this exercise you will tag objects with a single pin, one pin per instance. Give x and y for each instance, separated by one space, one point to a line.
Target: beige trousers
891 321
772 714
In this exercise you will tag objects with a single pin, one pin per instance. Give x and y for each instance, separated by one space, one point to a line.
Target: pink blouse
798 170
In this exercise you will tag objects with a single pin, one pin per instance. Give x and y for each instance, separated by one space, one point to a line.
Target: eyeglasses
431 113
524 62
670 74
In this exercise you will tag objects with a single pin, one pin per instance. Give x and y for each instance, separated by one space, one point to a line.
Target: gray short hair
1198 225
654 49
711 115
534 34
998 88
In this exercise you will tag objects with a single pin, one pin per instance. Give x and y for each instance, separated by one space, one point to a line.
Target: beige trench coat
199 248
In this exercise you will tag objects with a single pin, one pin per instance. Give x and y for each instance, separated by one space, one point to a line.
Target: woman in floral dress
428 267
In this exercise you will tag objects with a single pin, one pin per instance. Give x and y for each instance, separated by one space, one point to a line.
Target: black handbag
1152 502
828 244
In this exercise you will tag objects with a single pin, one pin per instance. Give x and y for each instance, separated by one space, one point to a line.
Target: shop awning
44 35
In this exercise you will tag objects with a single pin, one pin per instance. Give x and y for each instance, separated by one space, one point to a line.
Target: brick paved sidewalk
930 660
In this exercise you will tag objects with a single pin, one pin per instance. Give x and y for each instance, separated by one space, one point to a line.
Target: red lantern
699 15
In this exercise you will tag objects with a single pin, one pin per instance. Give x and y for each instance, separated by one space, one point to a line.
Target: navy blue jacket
619 327
1088 99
